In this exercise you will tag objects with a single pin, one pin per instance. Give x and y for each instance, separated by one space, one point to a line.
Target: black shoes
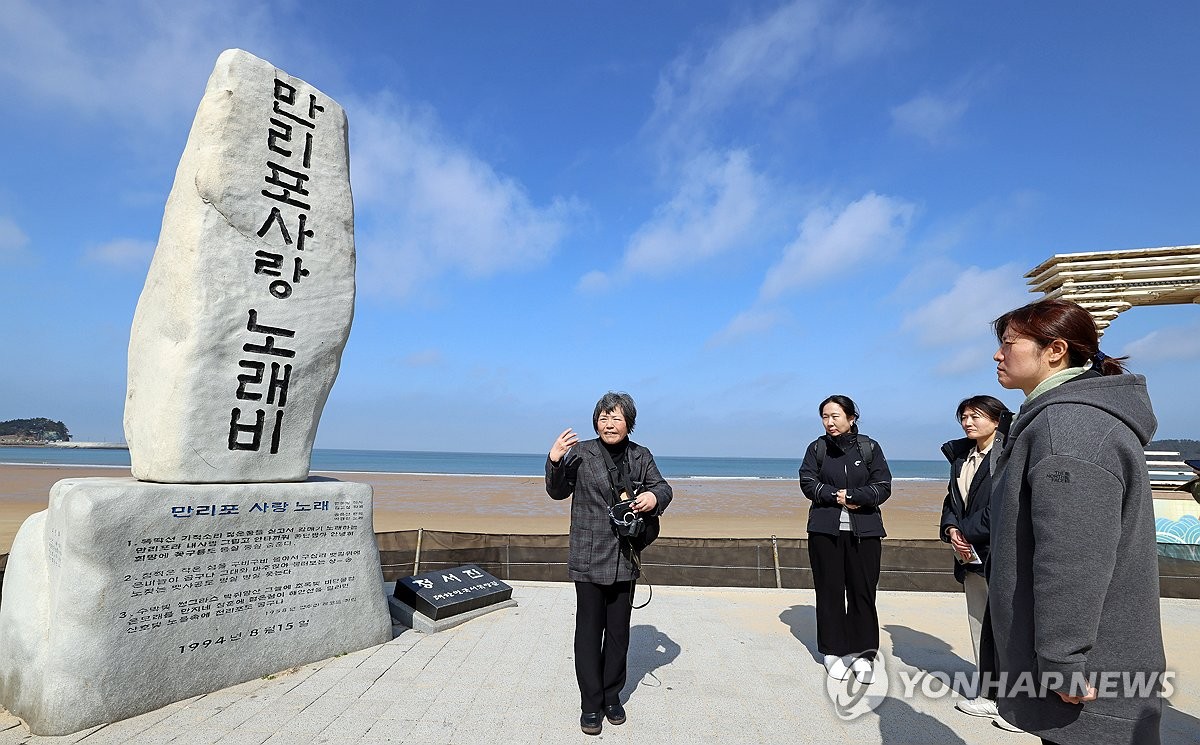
615 713
591 723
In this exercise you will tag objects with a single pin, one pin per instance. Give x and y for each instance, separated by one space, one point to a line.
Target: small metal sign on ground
437 600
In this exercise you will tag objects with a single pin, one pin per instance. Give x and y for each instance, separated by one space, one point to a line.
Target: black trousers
846 576
601 643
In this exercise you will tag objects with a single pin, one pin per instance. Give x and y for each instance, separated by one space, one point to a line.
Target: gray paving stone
244 737
736 661
203 736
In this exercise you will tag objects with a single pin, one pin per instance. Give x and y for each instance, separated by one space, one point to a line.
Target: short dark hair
843 401
990 406
1048 319
611 401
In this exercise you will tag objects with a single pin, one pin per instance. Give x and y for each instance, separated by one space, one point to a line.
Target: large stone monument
219 562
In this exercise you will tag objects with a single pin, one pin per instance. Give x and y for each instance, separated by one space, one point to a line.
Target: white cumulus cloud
713 211
830 241
80 56
757 61
929 117
747 323
123 254
13 242
428 206
424 358
958 321
1175 343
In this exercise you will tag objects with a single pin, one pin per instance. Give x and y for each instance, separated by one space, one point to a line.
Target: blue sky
728 210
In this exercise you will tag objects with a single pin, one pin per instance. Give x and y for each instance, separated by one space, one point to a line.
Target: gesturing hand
565 442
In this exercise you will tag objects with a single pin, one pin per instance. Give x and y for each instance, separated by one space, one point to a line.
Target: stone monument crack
221 560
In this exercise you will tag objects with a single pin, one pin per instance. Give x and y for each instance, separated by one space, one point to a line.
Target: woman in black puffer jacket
846 478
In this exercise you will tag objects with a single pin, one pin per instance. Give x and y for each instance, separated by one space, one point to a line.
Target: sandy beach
702 508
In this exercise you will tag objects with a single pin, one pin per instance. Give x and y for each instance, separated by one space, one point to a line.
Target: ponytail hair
1049 319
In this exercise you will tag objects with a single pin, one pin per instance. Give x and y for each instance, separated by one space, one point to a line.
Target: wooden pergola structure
1108 283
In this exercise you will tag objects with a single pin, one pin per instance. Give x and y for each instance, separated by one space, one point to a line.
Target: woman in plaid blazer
600 562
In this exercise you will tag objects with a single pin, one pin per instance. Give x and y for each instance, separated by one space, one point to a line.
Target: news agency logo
1108 684
852 698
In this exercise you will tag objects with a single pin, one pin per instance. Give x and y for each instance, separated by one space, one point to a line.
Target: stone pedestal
124 596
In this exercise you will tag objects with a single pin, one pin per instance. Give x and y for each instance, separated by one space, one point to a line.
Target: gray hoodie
1073 583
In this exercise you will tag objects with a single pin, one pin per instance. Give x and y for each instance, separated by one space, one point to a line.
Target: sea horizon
432 462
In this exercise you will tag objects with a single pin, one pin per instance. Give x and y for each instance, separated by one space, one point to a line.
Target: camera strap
619 479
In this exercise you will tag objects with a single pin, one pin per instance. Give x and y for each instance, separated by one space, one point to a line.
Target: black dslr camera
628 523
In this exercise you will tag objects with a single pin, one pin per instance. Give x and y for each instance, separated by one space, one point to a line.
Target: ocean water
490 464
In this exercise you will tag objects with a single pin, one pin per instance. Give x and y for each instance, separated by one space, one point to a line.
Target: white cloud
1175 343
428 207
965 311
79 55
874 227
594 282
972 357
756 62
929 117
123 253
746 323
713 211
958 321
13 242
718 201
424 358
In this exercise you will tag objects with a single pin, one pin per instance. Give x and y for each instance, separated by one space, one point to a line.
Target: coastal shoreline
703 507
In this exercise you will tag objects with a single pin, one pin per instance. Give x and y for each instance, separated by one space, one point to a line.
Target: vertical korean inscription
265 373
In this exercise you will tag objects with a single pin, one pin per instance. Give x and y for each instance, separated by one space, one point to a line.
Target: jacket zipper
849 512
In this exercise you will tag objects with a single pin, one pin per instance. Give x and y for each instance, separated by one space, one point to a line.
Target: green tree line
1187 449
37 429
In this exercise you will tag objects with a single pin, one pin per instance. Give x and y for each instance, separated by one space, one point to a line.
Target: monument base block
124 596
437 600
405 615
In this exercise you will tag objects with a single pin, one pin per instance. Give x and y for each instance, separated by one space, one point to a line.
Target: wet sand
702 508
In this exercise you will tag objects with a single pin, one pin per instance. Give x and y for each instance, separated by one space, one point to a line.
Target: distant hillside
34 430
1187 449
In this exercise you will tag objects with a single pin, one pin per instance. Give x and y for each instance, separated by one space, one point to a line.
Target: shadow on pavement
900 724
1179 726
802 620
930 654
649 649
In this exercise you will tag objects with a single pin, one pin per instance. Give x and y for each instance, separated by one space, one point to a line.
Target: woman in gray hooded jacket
1073 575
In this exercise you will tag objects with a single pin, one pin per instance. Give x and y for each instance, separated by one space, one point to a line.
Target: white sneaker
1004 725
977 707
983 707
864 672
836 667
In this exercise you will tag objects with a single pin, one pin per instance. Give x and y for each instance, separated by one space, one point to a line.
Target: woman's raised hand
565 442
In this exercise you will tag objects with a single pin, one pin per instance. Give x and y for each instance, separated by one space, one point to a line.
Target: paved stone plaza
706 665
